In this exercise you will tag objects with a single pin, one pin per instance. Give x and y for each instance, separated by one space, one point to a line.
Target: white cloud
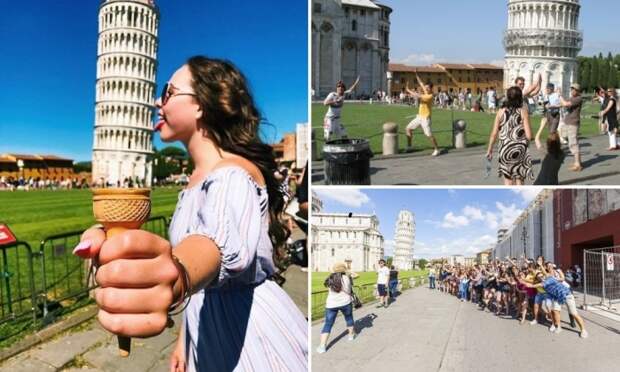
349 197
507 214
418 59
452 221
473 213
528 194
466 246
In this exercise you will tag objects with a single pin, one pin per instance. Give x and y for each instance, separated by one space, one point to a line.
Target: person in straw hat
339 284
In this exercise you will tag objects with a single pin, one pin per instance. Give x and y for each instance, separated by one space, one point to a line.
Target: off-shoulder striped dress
242 321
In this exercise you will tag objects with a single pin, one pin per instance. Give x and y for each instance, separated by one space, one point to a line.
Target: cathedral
350 38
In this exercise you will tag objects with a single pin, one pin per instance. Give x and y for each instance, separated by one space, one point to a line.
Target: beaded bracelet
185 287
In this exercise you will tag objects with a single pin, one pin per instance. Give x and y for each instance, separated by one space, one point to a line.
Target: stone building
350 38
543 37
446 77
46 167
351 238
404 237
125 90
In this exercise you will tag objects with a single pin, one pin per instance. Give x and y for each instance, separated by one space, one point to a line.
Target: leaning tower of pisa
403 240
543 37
125 89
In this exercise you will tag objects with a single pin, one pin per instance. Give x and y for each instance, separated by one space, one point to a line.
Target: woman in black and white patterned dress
512 123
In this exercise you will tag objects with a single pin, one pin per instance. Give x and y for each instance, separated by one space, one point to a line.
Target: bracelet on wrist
185 290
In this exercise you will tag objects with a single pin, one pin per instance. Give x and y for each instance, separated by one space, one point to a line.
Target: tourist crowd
527 290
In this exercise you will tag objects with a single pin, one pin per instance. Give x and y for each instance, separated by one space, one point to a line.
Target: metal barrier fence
36 286
602 278
365 292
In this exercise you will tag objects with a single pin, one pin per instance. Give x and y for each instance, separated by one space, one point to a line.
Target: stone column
390 139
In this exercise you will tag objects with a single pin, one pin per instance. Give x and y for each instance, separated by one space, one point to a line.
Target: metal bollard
390 139
459 139
315 153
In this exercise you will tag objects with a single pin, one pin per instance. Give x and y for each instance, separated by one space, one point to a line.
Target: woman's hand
136 275
489 154
177 358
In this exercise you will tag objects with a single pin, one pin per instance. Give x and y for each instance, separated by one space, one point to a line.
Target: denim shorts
540 298
330 317
381 289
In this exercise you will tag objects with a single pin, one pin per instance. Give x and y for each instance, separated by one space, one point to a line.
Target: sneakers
409 149
558 330
352 337
435 153
534 322
552 328
583 334
321 349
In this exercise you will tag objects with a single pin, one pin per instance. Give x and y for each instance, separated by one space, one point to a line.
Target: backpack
334 282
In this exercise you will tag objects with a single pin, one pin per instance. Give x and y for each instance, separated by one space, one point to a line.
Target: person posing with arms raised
573 121
332 125
423 119
219 260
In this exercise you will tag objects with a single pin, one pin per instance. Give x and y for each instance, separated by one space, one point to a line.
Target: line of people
538 289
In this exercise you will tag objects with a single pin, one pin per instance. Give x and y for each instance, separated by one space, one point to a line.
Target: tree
585 69
613 75
594 77
603 70
422 263
388 261
83 166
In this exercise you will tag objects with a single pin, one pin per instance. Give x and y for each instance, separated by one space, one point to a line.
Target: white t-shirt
342 298
384 275
554 99
333 112
491 97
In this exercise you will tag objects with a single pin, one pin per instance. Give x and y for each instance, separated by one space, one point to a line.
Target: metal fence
365 292
602 278
36 286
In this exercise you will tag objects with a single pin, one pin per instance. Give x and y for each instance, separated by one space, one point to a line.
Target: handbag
355 300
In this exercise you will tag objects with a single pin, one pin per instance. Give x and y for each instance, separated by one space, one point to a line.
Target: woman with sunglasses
611 116
219 263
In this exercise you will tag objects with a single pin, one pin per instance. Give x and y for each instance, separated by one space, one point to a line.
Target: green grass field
366 121
368 277
34 216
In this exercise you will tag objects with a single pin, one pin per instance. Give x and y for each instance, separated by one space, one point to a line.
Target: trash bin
347 162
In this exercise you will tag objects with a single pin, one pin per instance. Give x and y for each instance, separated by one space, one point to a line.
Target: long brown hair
231 120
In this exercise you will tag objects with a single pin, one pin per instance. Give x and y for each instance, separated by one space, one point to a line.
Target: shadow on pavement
598 159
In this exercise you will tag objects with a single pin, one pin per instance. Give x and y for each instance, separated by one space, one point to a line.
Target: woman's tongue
159 124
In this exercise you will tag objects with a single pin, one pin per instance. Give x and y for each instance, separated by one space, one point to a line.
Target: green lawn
366 121
368 277
34 216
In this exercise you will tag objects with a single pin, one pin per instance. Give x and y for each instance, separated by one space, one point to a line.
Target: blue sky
49 51
425 32
448 221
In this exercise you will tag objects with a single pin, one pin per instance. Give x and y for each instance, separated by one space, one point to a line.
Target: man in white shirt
491 100
332 126
383 276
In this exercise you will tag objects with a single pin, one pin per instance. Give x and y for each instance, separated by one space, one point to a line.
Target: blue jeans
330 317
431 282
393 285
463 289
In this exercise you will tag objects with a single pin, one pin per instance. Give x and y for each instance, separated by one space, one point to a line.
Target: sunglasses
166 93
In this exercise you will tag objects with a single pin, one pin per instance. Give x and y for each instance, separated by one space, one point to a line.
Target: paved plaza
466 167
426 330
